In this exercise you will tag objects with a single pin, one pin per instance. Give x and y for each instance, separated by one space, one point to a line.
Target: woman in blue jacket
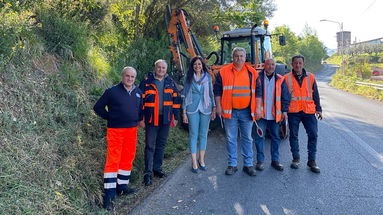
198 108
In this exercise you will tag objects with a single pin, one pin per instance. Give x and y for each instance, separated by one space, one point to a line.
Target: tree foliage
307 45
310 47
284 53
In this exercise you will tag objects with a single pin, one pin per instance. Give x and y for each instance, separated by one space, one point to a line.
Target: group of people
246 100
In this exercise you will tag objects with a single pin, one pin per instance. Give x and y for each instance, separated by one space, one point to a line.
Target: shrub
142 54
65 37
15 28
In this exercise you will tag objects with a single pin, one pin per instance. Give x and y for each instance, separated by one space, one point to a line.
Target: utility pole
342 39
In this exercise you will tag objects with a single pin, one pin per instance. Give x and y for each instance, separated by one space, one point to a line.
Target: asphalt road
350 155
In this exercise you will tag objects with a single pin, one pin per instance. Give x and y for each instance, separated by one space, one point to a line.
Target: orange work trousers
121 149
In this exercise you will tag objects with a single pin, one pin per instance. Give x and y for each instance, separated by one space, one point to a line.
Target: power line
369 7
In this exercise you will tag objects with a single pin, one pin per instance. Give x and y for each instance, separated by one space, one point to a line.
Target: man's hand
141 124
319 115
218 110
284 115
218 105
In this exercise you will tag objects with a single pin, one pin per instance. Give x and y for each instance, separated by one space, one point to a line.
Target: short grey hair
270 59
238 49
128 68
161 61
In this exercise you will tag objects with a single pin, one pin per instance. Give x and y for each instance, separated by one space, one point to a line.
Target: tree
284 53
310 47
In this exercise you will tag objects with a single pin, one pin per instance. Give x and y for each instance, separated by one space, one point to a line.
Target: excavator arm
183 43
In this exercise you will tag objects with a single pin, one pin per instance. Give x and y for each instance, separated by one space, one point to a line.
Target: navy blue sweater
121 108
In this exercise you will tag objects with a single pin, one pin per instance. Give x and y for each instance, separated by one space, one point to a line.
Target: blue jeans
259 141
198 128
240 118
310 123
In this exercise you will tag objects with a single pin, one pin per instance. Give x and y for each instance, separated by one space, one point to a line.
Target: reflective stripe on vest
301 96
227 75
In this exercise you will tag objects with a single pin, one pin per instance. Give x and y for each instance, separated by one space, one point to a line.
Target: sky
364 18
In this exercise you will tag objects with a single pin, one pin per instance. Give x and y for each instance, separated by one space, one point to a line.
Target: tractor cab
255 41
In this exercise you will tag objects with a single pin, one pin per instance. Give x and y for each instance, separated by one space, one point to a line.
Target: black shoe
249 170
259 166
277 165
148 179
231 170
126 191
194 170
108 204
203 168
313 166
295 163
159 174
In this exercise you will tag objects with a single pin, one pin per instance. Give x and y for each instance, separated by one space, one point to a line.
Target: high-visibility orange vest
277 107
301 96
232 92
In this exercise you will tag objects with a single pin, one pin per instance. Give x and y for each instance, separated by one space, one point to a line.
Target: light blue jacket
197 95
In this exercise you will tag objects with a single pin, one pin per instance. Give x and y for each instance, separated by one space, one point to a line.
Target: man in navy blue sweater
121 105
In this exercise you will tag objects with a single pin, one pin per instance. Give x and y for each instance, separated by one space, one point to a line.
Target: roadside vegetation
56 59
358 67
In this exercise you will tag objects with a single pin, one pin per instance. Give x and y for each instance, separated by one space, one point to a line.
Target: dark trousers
310 123
155 140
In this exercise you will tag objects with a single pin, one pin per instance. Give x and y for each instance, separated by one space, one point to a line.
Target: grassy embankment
358 68
52 145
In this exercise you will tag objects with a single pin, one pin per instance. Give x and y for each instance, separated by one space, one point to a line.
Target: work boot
231 170
313 166
159 173
126 191
108 204
277 165
148 179
249 170
295 163
259 166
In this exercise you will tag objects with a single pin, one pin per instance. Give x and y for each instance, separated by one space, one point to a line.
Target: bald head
269 66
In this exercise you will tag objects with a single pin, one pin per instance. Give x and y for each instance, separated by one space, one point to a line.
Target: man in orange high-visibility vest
304 106
121 105
276 101
238 101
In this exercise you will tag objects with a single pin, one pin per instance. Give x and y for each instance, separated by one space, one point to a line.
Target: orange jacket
301 96
241 94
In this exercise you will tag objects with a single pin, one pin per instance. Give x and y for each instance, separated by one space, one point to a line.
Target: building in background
343 39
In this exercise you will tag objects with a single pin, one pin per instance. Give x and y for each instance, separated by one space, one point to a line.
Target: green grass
52 145
347 83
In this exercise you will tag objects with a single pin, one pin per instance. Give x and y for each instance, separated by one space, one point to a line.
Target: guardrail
376 86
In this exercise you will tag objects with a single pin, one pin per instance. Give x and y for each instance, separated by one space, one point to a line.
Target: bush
65 37
15 28
142 54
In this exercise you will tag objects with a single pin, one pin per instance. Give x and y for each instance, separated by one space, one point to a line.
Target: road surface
350 155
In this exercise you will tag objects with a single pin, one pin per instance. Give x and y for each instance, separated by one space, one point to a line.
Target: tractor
184 46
